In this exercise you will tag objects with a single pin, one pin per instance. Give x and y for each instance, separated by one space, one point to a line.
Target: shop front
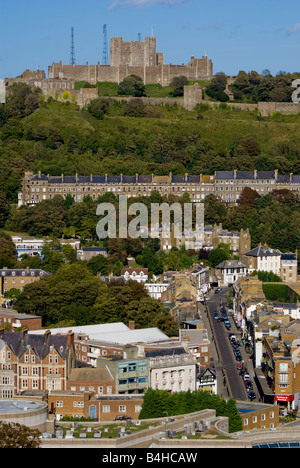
285 401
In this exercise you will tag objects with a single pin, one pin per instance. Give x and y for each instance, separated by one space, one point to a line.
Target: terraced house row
227 185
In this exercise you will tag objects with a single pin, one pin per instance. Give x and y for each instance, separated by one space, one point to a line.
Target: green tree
132 86
4 209
178 83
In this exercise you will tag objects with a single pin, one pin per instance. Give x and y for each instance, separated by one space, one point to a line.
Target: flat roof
19 406
112 333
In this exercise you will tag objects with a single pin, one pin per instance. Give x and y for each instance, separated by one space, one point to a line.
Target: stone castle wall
134 58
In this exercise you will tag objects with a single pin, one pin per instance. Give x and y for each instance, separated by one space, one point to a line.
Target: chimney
1 332
131 325
46 336
70 339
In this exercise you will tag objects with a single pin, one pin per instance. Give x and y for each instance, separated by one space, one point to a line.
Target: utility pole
105 46
72 55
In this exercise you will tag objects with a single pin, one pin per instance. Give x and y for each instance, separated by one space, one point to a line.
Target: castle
134 58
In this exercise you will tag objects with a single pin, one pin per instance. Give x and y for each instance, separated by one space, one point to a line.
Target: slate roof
38 343
262 251
24 272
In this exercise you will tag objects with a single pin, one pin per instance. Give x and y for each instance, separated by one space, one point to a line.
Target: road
227 359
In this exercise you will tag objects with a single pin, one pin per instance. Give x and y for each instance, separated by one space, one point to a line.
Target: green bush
159 403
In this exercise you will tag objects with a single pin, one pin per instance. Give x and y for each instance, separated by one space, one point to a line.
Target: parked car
122 418
251 395
248 384
218 290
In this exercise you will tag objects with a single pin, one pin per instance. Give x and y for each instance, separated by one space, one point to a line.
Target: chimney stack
131 325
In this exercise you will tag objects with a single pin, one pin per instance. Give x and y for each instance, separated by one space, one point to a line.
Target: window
106 409
122 409
283 367
59 404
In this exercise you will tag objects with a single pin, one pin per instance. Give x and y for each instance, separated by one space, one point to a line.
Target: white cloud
294 29
145 3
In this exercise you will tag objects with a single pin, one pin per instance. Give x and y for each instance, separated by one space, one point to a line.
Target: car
246 377
251 395
248 384
122 418
218 290
239 367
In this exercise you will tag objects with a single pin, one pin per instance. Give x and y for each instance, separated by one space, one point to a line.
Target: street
230 383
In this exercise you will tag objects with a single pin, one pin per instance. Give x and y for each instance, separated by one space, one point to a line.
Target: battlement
134 58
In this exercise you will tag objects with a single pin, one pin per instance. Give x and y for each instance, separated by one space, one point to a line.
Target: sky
236 34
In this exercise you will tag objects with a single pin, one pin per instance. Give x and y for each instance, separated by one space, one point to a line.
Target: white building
172 369
135 274
263 258
155 290
230 271
34 247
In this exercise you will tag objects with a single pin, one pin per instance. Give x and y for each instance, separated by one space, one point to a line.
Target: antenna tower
105 46
72 55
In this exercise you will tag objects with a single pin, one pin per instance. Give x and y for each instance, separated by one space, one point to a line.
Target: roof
117 333
94 249
263 251
165 352
136 270
231 264
37 342
16 272
90 374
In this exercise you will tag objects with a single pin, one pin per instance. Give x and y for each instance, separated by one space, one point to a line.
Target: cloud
145 3
293 29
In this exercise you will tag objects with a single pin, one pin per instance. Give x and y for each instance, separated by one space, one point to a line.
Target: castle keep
134 58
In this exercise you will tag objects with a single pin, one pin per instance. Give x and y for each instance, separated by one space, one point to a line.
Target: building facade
34 362
17 279
226 185
263 258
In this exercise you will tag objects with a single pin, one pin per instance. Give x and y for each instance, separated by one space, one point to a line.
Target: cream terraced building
226 185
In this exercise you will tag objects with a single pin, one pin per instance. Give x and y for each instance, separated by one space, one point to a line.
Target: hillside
59 138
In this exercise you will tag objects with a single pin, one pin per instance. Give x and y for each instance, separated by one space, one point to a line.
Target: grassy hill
59 138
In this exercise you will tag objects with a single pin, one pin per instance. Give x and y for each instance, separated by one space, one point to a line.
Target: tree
8 254
248 197
132 86
14 435
22 100
4 209
99 107
178 83
135 108
218 255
